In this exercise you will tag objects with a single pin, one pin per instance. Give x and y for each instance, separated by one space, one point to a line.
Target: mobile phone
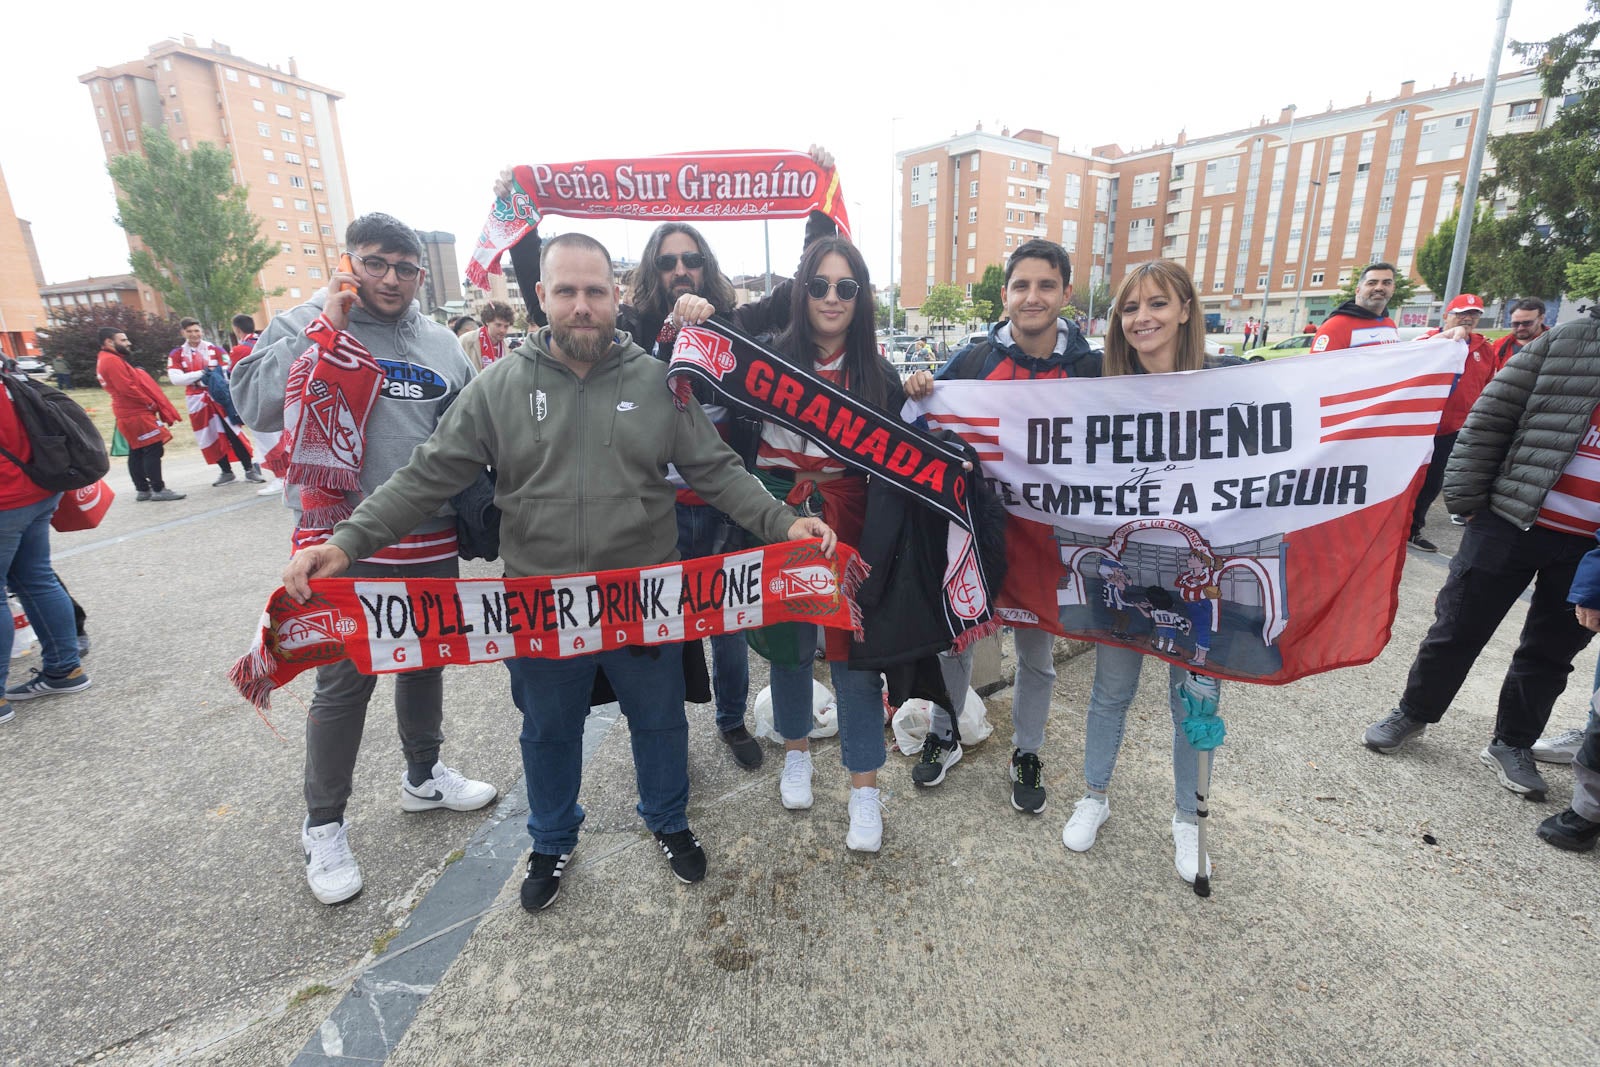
346 266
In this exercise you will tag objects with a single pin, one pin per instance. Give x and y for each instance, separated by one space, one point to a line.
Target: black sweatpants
144 467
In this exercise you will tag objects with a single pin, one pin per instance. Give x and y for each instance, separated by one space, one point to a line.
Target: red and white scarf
488 351
332 388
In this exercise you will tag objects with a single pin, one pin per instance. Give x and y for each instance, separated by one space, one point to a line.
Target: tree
1100 291
75 334
992 288
1404 289
203 248
1553 174
1433 257
979 310
1583 277
942 304
882 313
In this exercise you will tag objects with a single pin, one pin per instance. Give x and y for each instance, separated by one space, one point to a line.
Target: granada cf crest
705 349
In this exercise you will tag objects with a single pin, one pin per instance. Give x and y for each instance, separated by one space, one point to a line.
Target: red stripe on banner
990 457
1381 390
979 438
961 418
1380 431
1392 407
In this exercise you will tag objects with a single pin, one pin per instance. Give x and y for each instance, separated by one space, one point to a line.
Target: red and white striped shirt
783 449
409 550
1573 503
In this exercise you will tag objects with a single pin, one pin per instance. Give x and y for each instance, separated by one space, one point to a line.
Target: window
1316 277
258 105
1402 117
322 209
1008 240
285 246
294 291
130 136
1072 188
1024 166
916 173
1288 280
291 157
315 272
266 154
1362 168
305 227
284 112
96 88
263 129
283 225
305 116
1391 175
289 135
1429 127
971 266
272 177
972 240
277 87
1011 192
101 111
277 201
299 92
301 205
916 198
116 86
1368 138
314 163
1261 283
1146 189
297 181
317 185
108 141
183 143
290 270
124 110
309 250
231 74
972 214
1463 121
172 90
311 142
1013 164
1177 172
327 231
255 82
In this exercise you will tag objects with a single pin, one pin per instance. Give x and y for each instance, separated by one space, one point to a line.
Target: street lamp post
894 207
1266 295
1305 251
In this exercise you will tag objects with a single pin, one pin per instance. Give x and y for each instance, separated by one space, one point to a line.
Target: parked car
1298 345
33 368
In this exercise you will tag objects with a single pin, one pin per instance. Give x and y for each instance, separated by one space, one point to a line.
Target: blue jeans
553 696
705 531
1116 680
860 698
25 562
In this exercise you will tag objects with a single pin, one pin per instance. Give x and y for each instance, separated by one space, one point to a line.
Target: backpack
68 451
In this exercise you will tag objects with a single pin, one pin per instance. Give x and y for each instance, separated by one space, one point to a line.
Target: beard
580 347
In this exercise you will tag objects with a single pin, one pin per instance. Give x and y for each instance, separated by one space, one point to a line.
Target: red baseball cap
1464 302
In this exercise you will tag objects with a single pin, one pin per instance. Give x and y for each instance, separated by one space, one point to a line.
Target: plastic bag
911 722
24 640
824 713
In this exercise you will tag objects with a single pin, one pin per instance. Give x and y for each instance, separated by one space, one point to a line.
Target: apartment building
21 310
283 132
442 284
83 293
1269 220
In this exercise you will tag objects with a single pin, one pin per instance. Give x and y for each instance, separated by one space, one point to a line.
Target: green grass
310 992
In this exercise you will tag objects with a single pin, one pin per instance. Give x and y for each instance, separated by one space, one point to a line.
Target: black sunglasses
847 288
378 267
691 261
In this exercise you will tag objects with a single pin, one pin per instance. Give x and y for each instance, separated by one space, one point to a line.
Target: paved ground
1366 908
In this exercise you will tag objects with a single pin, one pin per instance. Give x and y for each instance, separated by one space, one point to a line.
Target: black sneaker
1570 831
684 853
543 883
1515 769
1422 544
746 750
1027 782
937 758
1392 731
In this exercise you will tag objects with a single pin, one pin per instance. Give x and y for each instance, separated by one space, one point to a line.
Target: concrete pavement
155 908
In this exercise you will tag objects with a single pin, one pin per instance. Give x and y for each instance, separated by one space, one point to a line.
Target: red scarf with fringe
488 351
389 625
330 393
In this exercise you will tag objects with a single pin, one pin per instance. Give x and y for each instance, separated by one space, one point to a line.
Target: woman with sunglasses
1156 328
831 335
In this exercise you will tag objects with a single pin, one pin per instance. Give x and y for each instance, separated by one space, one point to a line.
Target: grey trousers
338 711
1030 696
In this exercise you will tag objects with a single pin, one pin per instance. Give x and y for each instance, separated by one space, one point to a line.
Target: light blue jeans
859 695
1116 681
1030 694
25 563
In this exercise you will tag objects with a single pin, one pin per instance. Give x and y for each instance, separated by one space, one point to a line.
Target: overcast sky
437 101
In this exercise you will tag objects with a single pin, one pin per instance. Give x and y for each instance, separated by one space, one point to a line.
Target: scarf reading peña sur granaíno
762 382
704 186
390 624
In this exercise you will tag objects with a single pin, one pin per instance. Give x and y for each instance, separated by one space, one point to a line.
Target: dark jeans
64 381
144 467
240 449
338 713
1494 565
553 696
705 531
1432 482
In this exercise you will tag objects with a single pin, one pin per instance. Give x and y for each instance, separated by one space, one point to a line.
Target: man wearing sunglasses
1527 323
371 305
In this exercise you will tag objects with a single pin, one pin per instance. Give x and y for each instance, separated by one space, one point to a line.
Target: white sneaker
446 789
274 487
1560 748
1088 815
1186 850
331 868
866 820
795 784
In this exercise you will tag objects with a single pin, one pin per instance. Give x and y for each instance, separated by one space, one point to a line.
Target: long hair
1174 281
644 281
870 378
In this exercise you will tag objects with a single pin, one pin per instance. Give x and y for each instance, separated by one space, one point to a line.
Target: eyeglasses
1524 324
847 288
378 267
691 261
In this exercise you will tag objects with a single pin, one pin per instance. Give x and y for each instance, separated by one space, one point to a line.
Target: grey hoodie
424 368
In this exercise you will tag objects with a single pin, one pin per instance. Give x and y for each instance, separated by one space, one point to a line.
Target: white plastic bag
824 713
911 722
24 638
